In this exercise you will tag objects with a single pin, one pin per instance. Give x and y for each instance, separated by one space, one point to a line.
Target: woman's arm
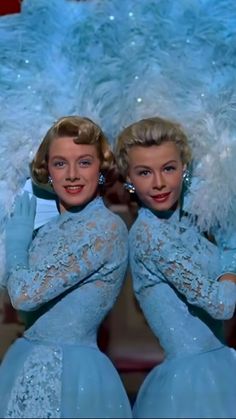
89 257
170 259
228 277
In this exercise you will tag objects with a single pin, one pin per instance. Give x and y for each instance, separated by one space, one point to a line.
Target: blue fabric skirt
196 386
43 381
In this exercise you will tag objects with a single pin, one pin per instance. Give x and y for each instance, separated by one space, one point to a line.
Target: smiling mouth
161 197
74 189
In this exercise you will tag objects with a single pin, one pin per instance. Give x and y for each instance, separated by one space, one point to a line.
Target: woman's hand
19 231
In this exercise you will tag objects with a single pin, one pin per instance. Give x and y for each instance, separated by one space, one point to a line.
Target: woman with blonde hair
69 276
185 283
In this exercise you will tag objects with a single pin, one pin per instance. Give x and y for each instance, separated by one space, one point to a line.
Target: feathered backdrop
117 61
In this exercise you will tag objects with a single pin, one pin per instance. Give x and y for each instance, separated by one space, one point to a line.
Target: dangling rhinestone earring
129 187
50 180
187 178
101 179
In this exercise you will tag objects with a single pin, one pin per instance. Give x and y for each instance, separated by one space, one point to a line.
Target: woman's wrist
228 276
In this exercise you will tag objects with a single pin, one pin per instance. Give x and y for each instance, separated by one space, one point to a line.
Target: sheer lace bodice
74 274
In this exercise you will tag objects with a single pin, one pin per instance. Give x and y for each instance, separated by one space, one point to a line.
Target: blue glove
228 262
226 241
19 231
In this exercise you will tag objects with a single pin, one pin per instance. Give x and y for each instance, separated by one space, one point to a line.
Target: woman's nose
158 181
73 172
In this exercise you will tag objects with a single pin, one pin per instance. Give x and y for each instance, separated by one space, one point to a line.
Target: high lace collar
80 208
166 215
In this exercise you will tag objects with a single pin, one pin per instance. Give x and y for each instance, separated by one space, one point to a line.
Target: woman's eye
59 163
85 163
144 172
169 168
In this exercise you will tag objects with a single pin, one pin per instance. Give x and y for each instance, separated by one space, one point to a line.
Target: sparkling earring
101 179
50 180
187 179
129 187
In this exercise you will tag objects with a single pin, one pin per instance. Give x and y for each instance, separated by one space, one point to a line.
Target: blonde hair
149 132
83 131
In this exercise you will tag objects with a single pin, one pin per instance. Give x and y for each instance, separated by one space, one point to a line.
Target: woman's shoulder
104 218
144 231
151 230
145 221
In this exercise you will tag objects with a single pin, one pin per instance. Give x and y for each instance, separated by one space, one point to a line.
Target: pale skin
157 174
74 170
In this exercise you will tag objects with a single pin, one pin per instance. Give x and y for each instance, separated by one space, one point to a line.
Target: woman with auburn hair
69 276
185 283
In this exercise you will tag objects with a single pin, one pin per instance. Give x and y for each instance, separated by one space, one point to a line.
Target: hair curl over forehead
83 131
149 132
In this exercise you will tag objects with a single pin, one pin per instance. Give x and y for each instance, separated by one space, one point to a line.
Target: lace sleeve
82 254
184 263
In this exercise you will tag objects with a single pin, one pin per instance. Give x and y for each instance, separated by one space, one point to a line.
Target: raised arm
86 252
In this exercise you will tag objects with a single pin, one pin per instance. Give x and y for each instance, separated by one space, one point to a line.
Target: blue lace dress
175 272
77 265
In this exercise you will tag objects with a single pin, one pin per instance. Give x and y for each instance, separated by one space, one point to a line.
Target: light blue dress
77 265
175 271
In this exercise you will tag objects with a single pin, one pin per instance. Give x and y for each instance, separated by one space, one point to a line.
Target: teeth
73 187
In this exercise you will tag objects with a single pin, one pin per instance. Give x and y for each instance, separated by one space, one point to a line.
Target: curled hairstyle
83 131
149 132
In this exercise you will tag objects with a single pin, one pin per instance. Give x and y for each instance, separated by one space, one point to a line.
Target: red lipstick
161 197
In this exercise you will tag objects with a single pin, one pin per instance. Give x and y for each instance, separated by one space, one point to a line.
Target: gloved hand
226 241
19 231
